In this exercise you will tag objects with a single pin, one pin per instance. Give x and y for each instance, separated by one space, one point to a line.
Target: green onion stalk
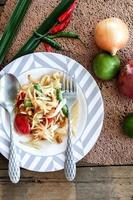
12 27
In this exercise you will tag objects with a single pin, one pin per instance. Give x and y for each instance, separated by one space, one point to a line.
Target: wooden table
92 182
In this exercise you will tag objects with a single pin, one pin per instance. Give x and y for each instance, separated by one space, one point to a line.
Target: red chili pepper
68 12
47 47
61 26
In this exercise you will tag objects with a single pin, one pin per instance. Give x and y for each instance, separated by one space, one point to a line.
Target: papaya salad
40 109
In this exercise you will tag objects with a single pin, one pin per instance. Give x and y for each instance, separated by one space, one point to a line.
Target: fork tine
63 82
71 84
74 85
67 84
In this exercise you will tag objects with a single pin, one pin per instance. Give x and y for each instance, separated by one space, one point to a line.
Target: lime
128 125
106 66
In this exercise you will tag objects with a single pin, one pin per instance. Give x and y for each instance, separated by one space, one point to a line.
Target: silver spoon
9 87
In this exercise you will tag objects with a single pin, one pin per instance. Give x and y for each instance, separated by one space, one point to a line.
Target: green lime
128 125
106 66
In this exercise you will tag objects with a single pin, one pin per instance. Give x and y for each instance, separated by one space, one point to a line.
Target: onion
111 34
125 80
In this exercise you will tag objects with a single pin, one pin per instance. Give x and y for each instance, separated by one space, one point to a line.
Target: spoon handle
14 160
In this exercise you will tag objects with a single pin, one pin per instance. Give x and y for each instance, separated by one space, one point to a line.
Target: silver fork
70 93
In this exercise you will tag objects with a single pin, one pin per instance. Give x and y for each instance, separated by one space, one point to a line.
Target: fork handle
70 165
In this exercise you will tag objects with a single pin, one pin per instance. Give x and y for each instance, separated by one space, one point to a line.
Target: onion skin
125 80
111 34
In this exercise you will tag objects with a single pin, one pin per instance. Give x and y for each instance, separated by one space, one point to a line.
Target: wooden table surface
91 183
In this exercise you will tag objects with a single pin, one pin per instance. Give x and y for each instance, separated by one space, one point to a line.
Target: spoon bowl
9 86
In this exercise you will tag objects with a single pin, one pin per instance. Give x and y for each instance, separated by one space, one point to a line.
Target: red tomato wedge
21 96
19 102
50 120
22 124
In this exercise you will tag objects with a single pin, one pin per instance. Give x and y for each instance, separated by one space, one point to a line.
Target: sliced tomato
50 120
43 121
19 102
22 124
21 96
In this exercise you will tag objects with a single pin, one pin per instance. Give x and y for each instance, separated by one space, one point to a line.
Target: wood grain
2 2
37 191
92 183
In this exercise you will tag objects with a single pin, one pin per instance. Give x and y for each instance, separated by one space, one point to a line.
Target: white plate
50 157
